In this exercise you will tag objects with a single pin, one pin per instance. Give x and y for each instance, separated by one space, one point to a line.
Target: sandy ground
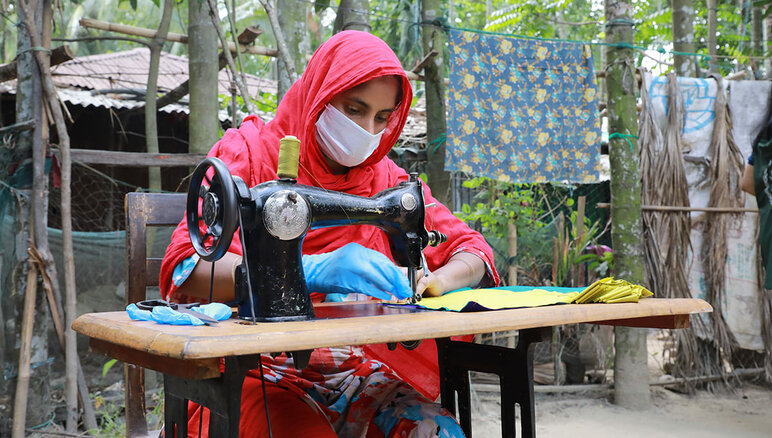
745 413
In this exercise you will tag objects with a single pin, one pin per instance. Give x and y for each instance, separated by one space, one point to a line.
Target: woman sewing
348 110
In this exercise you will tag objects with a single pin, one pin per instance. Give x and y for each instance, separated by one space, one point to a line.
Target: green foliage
573 247
498 203
109 417
265 103
106 367
603 265
393 22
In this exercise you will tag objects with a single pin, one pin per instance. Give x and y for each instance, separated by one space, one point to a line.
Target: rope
442 23
437 142
47 423
625 136
33 49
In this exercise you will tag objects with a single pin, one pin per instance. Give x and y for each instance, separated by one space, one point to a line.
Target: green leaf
321 5
109 364
466 208
569 202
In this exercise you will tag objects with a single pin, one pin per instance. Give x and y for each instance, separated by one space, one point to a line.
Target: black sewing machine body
275 216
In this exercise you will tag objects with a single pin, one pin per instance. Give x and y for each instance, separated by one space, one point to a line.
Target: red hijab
346 60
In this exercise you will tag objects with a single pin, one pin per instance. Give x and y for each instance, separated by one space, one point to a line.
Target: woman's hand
462 270
431 285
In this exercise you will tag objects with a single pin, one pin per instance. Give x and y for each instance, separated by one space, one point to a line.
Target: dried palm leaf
725 173
650 141
674 231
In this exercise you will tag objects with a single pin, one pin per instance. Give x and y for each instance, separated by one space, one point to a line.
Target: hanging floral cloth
522 110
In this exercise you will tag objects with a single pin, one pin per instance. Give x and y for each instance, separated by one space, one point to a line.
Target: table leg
222 396
514 368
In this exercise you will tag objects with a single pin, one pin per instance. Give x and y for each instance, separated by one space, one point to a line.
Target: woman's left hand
431 285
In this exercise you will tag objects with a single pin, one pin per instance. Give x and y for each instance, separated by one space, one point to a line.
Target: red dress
348 59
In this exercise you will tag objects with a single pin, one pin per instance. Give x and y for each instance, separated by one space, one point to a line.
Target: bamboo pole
22 380
578 272
281 44
512 252
52 99
236 74
181 38
174 37
682 209
58 55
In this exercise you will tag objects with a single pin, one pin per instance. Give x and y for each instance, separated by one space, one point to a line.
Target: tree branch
236 77
58 55
281 44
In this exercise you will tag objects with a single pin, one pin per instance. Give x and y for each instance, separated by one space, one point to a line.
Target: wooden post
581 203
22 381
555 261
512 250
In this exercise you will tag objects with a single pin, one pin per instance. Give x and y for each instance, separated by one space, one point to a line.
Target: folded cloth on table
606 290
167 315
511 297
610 290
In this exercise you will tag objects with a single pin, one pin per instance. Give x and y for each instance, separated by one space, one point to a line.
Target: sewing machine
274 217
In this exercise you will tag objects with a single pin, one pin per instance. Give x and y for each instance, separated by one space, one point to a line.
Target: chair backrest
143 210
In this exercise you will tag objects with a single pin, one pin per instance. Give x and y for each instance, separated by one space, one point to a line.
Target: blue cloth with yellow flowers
522 110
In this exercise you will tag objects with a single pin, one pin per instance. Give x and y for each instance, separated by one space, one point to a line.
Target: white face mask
342 140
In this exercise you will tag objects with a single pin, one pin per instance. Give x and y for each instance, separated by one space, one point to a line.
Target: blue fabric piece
522 110
386 421
183 269
218 311
138 314
750 159
448 427
334 298
355 269
167 315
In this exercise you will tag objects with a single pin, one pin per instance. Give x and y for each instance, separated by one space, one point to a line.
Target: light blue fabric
167 315
218 311
354 268
183 269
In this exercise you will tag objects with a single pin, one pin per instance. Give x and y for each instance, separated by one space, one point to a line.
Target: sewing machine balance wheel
212 209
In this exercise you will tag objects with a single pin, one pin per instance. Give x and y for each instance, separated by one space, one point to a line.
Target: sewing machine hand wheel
211 206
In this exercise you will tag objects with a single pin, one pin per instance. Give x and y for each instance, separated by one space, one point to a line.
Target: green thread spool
289 154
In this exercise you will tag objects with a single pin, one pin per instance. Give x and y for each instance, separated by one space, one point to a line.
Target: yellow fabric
497 299
606 290
609 290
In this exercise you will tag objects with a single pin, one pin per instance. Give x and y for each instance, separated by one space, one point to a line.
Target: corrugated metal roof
129 70
85 81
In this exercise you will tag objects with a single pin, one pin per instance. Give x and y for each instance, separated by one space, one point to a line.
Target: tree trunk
436 123
712 38
30 144
757 37
631 378
203 123
151 113
683 37
767 40
352 15
292 21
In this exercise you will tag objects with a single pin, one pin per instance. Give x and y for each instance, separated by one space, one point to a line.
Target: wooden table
190 357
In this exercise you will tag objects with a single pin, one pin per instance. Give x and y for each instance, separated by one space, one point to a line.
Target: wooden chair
143 210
